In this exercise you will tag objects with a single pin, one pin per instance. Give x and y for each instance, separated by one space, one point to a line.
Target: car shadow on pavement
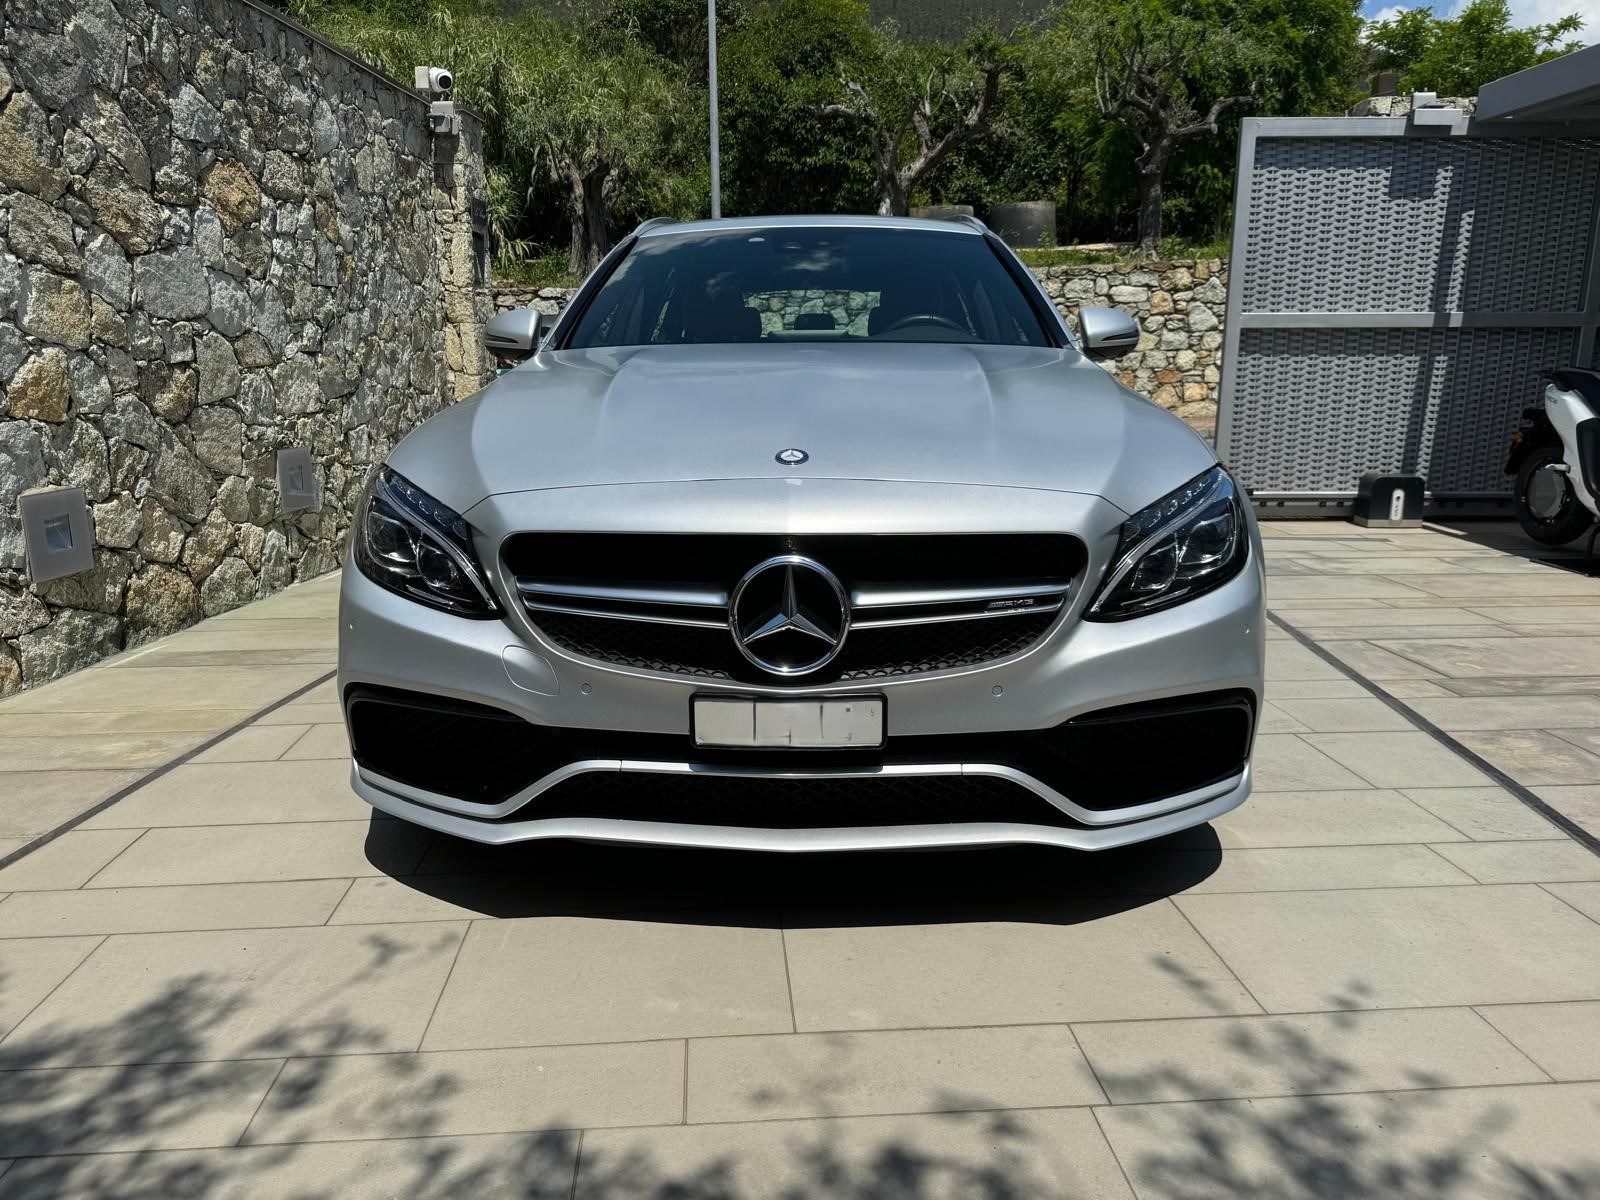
723 887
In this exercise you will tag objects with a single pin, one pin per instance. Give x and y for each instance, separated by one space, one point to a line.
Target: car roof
659 226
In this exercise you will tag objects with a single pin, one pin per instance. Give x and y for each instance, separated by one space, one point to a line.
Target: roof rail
972 221
652 222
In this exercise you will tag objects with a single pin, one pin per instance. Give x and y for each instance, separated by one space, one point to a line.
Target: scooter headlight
1185 544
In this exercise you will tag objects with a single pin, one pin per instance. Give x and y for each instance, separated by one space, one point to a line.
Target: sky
1523 12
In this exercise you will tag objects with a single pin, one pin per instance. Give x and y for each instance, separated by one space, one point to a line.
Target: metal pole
716 149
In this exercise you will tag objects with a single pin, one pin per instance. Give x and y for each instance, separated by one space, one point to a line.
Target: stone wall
1179 307
219 237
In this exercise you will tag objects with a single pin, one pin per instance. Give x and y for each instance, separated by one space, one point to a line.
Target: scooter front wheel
1547 508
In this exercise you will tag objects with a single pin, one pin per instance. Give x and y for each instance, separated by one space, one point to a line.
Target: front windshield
809 284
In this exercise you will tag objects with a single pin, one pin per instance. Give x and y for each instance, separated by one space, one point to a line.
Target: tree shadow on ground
163 1086
727 887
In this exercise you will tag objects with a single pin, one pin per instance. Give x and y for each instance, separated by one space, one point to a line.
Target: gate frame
1440 123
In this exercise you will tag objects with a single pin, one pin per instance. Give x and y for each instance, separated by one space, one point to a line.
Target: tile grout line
95 949
788 981
448 976
1094 1111
1472 757
95 874
1506 1038
72 823
262 1103
577 1163
1088 1062
304 733
683 1105
1204 941
343 896
1546 890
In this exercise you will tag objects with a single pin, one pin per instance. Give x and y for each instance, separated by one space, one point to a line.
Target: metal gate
1394 290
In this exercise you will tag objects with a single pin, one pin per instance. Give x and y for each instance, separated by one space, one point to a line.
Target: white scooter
1555 456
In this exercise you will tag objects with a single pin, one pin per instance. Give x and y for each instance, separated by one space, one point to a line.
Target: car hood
998 416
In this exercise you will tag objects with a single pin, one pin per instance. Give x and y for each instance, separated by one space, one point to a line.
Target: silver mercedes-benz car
804 534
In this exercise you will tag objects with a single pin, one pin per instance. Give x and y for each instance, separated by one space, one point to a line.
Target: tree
915 104
1163 76
1455 56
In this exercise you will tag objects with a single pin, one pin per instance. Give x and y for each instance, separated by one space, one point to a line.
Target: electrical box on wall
56 531
297 481
1388 501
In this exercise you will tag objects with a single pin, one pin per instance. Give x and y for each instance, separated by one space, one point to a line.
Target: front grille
918 602
765 803
1112 759
705 653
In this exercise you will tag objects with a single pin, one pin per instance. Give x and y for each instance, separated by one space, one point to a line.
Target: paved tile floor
1381 978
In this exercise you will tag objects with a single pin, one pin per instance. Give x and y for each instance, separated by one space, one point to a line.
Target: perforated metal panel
1393 294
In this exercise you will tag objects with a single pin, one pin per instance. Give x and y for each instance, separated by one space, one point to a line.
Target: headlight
408 542
1185 544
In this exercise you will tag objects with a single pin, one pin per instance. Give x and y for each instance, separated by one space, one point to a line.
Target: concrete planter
1026 224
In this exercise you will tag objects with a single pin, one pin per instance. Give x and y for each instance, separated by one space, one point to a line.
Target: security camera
442 118
436 81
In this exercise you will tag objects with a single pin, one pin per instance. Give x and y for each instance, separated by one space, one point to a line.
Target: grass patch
545 270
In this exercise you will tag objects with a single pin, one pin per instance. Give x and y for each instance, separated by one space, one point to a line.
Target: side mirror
1107 330
514 334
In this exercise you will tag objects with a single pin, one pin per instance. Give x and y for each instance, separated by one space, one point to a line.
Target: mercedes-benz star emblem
792 457
789 615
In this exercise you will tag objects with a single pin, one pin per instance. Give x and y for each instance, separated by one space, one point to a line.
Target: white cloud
1387 14
1523 12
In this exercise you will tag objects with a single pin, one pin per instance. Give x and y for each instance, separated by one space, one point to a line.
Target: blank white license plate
836 721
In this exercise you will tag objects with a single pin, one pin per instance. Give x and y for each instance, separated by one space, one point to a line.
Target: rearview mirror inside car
1107 330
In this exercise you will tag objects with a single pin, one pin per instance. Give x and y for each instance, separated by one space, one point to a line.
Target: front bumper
954 730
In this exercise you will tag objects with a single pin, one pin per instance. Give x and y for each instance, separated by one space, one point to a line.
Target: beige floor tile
1531 756
1524 685
1579 613
1499 656
1412 689
1292 661
94 751
35 802
1378 664
889 1071
1556 861
1310 1054
261 993
131 1108
1585 897
1496 1143
1585 737
1275 720
1006 964
587 979
1478 589
107 688
1402 947
1345 716
535 1166
239 793
322 741
1488 814
1372 632
253 744
169 909
1365 817
1512 712
350 1097
67 862
1056 1154
304 712
1344 587
1285 762
1320 689
1398 760
315 632
1311 620
154 720
265 853
33 968
1578 802
1564 1039
1289 869
180 655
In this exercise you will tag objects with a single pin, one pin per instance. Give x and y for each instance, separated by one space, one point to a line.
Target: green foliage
1455 56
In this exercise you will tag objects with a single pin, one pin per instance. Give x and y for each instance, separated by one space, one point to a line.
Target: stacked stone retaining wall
1179 306
219 237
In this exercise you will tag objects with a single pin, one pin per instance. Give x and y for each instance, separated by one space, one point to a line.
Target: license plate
834 722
